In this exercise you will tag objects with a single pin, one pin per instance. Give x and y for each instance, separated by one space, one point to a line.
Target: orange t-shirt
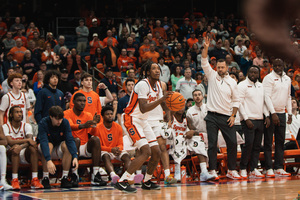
74 120
109 138
123 61
191 41
3 28
264 72
30 36
152 56
95 46
24 40
115 42
93 104
161 31
18 53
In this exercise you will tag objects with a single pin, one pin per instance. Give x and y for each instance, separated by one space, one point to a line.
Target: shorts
21 156
83 152
157 127
127 144
196 145
56 152
112 156
139 131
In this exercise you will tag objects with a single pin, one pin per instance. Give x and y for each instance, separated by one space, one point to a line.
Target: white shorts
157 127
112 156
56 152
127 144
196 145
83 152
21 156
139 131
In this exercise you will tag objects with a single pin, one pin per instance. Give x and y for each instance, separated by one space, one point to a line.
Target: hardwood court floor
278 188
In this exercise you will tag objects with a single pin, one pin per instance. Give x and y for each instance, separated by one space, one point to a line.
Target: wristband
105 88
233 115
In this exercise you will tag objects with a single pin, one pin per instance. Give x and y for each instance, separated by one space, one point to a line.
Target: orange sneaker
36 184
15 184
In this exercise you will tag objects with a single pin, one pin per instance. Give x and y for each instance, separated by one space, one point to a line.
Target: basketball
175 101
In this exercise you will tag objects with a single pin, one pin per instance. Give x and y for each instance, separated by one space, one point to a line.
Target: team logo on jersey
89 100
195 144
131 131
109 137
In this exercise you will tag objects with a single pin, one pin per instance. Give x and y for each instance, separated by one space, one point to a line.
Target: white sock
112 174
167 172
3 177
125 176
34 175
45 174
177 167
203 167
3 162
95 170
75 171
132 176
147 177
14 175
65 173
139 171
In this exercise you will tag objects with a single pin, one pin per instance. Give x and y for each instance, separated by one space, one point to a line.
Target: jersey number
109 137
89 99
131 131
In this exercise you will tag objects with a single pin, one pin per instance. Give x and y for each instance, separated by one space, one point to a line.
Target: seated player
56 142
111 137
21 147
3 184
81 123
184 138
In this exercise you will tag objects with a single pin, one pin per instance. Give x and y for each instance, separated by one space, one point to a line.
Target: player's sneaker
125 187
232 174
97 180
36 184
149 185
5 185
256 174
205 176
74 180
170 180
214 173
65 183
282 173
1 188
270 173
115 179
46 183
243 173
15 184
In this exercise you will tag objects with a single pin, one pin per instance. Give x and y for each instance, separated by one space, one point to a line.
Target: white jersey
157 113
142 90
17 134
9 100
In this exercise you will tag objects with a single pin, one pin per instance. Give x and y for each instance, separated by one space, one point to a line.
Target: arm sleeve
206 67
289 101
268 92
69 139
266 111
38 108
235 96
43 139
142 89
241 91
5 130
4 103
28 129
74 127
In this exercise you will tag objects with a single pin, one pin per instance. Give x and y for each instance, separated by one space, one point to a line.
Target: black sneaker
74 180
149 185
125 187
97 180
46 183
65 183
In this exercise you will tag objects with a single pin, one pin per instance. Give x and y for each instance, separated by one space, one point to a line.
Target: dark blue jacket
112 87
55 135
122 104
45 99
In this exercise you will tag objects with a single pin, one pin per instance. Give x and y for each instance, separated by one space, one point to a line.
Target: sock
65 173
3 177
3 162
45 174
177 168
147 177
75 171
167 172
14 175
203 167
112 174
125 176
132 177
34 175
139 171
95 170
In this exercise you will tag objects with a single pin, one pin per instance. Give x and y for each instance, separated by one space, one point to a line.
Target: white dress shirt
295 125
278 93
223 92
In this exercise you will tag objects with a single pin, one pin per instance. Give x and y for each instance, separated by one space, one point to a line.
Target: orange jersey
74 120
191 41
152 56
123 62
114 40
95 45
109 138
143 49
93 104
18 53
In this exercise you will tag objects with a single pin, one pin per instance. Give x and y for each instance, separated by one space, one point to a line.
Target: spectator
218 52
28 91
74 62
5 86
64 85
82 36
110 36
130 47
293 128
258 61
18 51
43 68
222 33
94 29
40 43
130 75
111 54
9 42
144 30
198 77
50 40
226 47
242 36
123 63
126 23
266 69
48 56
135 29
35 52
15 27
203 87
7 64
187 84
179 50
95 43
144 48
30 30
109 82
38 85
61 43
3 27
29 65
76 82
192 40
151 55
160 29
122 103
96 58
150 38
246 62
24 39
231 63
49 96
185 29
164 69
123 37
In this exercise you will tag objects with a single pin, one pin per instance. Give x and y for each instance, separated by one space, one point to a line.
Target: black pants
251 148
214 122
279 133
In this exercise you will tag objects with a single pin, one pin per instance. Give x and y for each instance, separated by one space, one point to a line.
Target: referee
222 106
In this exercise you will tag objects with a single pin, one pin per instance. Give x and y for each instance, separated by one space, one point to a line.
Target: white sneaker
232 174
214 173
205 176
5 185
103 174
282 173
256 174
270 173
243 173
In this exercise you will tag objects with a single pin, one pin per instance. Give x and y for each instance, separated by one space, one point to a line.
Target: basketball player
144 98
14 98
222 105
184 138
56 142
81 123
93 104
21 147
3 162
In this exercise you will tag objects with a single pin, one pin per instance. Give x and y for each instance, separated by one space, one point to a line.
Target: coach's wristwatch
233 115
